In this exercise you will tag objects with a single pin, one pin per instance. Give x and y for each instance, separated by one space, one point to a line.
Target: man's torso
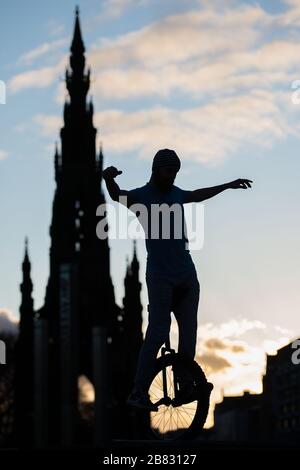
163 221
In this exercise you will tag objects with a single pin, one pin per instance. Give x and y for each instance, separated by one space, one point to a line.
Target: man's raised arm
199 195
115 192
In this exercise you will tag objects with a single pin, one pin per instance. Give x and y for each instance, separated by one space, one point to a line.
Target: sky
214 81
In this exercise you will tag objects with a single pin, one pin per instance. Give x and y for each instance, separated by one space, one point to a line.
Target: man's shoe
189 393
142 401
186 394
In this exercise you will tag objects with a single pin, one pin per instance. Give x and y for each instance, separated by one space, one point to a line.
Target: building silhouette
281 394
137 423
132 318
24 359
80 330
238 418
273 415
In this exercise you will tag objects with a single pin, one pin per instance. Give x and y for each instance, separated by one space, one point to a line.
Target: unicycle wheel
173 420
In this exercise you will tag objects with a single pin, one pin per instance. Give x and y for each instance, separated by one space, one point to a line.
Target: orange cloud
212 363
217 343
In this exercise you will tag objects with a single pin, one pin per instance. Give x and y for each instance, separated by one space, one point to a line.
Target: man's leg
186 311
159 308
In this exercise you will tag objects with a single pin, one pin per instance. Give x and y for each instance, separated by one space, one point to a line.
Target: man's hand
199 195
110 173
240 183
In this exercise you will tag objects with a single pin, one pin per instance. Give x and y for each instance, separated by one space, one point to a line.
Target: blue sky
210 79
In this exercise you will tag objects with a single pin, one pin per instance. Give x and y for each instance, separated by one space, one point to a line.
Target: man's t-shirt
161 215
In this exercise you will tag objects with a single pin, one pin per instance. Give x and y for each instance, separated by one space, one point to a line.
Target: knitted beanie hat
166 157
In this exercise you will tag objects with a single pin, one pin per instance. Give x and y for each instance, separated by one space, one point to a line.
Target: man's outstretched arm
113 189
109 175
202 194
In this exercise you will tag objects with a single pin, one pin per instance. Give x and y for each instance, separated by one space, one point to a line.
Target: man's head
165 166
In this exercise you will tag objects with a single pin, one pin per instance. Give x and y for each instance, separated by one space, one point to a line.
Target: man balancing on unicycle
170 268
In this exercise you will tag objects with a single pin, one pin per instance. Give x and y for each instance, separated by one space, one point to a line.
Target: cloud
181 37
193 56
291 17
61 94
55 28
232 83
236 365
246 358
237 348
49 124
3 154
219 350
43 49
283 331
112 9
207 134
213 363
115 8
216 343
233 328
8 323
218 95
36 78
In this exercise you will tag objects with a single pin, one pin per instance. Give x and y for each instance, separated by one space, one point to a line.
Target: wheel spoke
169 421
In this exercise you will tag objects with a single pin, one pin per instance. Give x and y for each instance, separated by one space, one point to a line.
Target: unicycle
176 420
177 416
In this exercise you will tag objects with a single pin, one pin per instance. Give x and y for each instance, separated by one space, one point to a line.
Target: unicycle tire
186 421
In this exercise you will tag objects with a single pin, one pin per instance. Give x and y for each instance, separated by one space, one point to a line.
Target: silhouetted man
170 267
